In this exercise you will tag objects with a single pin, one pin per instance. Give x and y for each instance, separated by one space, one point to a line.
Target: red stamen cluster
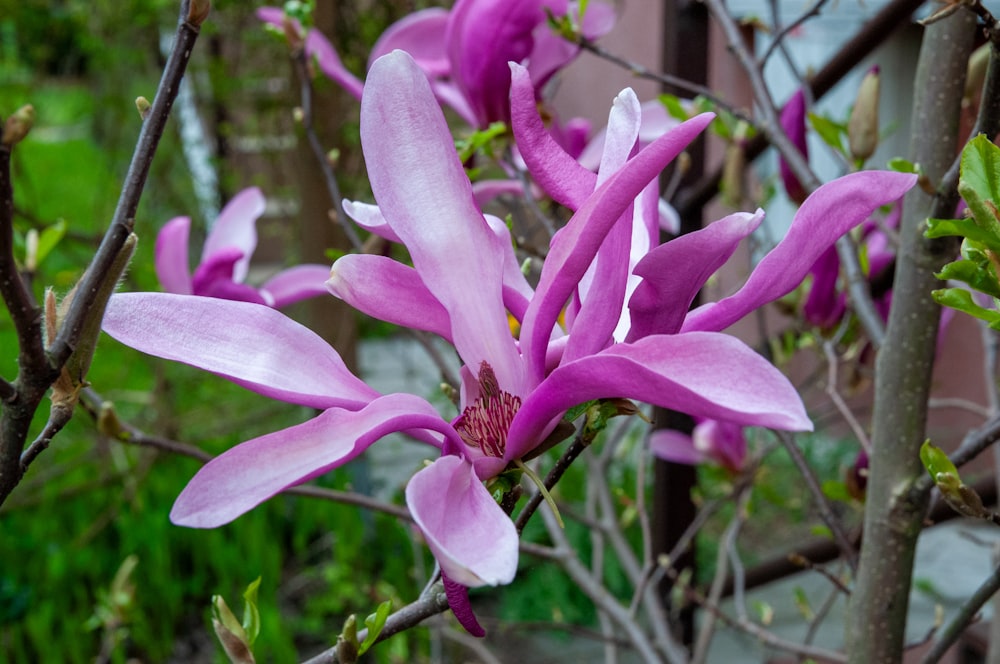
485 423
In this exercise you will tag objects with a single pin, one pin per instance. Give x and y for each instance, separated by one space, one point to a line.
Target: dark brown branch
949 634
123 220
847 550
306 95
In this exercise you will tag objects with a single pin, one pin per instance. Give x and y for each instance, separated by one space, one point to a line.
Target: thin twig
770 125
948 634
123 220
409 616
300 61
778 40
664 79
829 518
833 392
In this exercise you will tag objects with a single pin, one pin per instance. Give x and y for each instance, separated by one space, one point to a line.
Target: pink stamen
485 423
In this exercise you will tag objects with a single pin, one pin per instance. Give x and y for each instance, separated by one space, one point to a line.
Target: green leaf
674 107
936 461
831 132
961 299
478 140
375 622
979 184
48 239
901 165
967 228
836 490
251 615
978 274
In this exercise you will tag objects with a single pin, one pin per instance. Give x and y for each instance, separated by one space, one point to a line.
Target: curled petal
370 218
574 246
706 374
674 272
473 540
829 212
458 600
555 171
172 267
295 284
241 478
250 344
389 291
329 62
236 229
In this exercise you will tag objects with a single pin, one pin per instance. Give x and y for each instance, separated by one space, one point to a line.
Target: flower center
485 422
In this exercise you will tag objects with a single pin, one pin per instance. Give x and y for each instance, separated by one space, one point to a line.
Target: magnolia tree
558 342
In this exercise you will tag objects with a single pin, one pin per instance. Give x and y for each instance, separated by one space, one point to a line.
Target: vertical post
685 54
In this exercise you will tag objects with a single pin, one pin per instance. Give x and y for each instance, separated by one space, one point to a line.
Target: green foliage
979 185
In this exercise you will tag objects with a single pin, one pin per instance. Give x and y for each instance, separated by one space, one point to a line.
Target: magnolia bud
198 12
142 105
862 127
18 125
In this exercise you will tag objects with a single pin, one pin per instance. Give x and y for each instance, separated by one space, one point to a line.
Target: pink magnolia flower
461 286
465 51
225 259
711 441
793 123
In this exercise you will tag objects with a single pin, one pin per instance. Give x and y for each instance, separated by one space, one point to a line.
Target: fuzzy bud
198 12
142 105
862 127
18 125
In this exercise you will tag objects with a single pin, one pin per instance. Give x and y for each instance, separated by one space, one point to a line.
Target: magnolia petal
574 246
517 292
793 123
388 290
829 212
172 267
473 540
705 374
675 446
237 227
421 34
370 218
241 478
424 194
250 344
551 167
602 288
295 284
483 36
674 272
458 600
318 46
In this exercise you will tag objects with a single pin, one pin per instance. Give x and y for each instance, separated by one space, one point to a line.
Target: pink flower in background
712 441
793 123
225 259
464 52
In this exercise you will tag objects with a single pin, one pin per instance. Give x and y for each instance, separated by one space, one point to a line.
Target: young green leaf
375 622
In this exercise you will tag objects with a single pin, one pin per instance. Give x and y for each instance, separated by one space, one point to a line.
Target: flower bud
198 11
862 127
18 125
142 105
793 123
